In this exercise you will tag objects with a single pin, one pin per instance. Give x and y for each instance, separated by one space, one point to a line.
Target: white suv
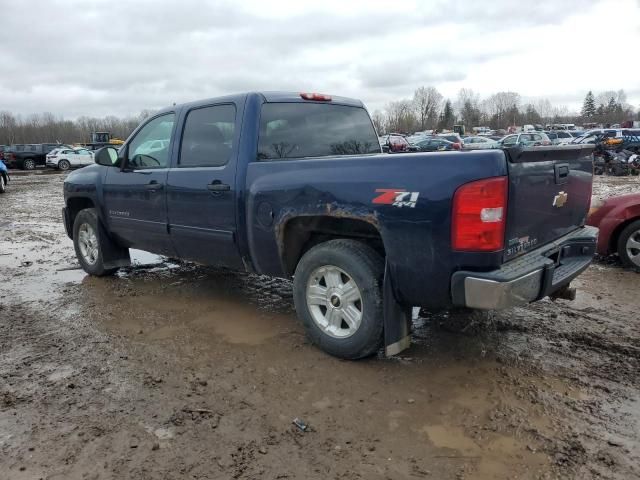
66 158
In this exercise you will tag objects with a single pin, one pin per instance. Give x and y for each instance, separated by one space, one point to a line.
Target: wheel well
303 233
74 205
615 235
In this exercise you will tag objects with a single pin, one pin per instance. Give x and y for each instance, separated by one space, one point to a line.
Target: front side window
299 130
208 136
511 140
145 151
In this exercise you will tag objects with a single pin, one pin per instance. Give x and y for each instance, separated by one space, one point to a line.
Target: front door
201 192
135 195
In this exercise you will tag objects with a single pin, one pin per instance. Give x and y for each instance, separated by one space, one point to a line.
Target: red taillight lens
457 146
318 97
479 215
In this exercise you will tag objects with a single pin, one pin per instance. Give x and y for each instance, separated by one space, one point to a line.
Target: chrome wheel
633 247
334 301
88 243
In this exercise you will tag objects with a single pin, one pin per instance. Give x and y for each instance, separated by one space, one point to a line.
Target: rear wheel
3 184
338 297
64 165
28 164
87 244
629 246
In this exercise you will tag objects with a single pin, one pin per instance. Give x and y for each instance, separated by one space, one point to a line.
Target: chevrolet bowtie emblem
560 199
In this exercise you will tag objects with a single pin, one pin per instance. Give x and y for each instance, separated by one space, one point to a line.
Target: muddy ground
172 371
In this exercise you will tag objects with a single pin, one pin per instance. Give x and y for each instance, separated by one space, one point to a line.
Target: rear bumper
528 278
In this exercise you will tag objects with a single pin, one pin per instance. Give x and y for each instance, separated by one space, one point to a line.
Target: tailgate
549 194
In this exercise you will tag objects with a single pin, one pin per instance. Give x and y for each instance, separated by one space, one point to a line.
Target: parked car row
628 139
422 142
30 156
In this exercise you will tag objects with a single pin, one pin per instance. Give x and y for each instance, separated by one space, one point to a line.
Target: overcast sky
116 58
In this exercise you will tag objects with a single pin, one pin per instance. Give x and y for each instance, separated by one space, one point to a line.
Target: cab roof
269 96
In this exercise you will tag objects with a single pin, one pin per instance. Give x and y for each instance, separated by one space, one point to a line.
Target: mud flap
397 319
113 255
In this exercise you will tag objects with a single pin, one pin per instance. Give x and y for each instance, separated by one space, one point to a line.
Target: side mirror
107 156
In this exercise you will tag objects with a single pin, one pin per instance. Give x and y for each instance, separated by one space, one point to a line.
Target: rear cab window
307 130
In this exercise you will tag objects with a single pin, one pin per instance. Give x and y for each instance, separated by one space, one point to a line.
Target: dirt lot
171 371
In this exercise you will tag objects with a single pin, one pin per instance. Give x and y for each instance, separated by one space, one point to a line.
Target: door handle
216 186
153 185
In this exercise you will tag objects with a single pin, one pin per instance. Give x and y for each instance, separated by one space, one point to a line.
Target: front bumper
528 278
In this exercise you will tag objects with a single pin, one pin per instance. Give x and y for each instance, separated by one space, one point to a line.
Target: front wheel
3 184
337 290
87 244
629 246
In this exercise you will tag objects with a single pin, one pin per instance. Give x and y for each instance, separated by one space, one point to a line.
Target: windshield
298 130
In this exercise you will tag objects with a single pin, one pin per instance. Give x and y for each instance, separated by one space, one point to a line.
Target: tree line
47 128
428 109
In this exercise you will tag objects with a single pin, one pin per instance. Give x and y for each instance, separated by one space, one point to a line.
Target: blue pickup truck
295 185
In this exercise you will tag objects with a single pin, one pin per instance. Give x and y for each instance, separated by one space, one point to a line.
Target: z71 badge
395 197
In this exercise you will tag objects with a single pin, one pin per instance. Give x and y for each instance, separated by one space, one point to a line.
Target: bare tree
427 102
544 107
379 121
401 116
467 107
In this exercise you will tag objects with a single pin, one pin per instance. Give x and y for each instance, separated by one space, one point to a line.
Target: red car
618 219
393 143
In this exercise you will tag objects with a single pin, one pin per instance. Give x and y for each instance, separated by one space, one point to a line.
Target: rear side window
208 136
298 130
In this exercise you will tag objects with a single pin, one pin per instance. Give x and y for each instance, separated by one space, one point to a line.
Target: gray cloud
104 57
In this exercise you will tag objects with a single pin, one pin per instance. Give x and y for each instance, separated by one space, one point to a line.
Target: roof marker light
318 97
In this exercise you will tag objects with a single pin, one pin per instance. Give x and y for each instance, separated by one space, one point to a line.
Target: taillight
479 215
318 97
457 146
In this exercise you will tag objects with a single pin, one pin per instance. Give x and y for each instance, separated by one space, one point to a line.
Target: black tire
362 264
3 184
28 164
88 216
631 231
64 165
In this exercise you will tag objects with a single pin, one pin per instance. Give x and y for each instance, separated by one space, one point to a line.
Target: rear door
201 187
549 194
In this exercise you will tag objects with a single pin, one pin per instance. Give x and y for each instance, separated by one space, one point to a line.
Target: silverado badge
560 199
